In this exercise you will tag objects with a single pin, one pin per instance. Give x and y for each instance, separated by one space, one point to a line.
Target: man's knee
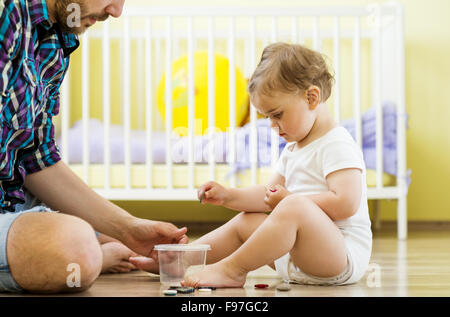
50 253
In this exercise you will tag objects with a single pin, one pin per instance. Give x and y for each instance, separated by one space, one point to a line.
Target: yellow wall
427 27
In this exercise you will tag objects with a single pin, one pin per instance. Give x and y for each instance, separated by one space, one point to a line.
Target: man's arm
62 190
59 188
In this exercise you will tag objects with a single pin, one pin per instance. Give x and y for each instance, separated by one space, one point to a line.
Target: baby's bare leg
297 225
223 241
230 236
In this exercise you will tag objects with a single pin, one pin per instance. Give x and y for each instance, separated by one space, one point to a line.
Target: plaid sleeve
6 70
45 153
8 47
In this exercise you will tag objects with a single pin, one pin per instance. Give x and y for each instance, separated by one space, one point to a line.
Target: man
43 251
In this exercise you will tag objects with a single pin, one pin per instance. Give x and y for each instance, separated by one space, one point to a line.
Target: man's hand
274 195
144 234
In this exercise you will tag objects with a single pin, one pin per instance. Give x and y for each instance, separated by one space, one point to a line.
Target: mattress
180 174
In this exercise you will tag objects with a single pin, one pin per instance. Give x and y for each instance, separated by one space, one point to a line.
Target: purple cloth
221 142
117 153
369 126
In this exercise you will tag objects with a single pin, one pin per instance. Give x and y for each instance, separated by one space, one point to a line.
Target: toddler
310 222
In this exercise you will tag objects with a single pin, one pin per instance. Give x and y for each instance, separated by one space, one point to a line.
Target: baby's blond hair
291 68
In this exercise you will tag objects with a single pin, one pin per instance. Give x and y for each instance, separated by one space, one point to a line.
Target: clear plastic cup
178 260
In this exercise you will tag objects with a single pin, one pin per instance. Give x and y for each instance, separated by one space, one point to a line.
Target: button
170 292
261 285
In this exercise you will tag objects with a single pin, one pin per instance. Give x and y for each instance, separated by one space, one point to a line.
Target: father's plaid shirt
33 61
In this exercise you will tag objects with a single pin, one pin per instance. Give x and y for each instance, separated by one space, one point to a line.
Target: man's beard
70 19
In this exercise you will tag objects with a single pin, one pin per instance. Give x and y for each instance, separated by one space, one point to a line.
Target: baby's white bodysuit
305 171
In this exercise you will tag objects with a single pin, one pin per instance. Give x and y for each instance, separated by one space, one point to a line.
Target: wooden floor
419 266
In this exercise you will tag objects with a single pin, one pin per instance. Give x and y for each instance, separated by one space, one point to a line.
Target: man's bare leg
40 247
297 225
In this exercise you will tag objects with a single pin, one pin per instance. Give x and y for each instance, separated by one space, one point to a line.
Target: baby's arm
343 197
248 199
253 198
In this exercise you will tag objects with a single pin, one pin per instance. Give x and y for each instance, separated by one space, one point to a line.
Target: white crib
152 38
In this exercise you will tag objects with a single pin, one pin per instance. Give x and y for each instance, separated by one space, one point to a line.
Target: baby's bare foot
219 274
115 258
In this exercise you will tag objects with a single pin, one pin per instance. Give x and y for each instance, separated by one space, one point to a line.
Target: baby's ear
313 96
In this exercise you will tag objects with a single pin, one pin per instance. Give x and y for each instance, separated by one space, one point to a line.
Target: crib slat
337 63
126 101
191 101
357 81
253 117
274 30
232 96
402 220
85 105
377 91
317 45
159 68
294 30
211 99
140 82
148 102
274 148
274 135
106 103
168 109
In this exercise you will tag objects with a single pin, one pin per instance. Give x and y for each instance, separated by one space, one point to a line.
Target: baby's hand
274 195
212 193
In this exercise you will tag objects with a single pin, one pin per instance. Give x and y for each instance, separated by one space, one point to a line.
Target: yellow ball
180 94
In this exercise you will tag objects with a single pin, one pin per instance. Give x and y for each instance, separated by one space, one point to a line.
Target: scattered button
185 290
170 292
284 287
202 196
261 286
213 288
205 290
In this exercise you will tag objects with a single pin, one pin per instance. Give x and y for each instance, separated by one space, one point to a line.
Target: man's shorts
32 204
